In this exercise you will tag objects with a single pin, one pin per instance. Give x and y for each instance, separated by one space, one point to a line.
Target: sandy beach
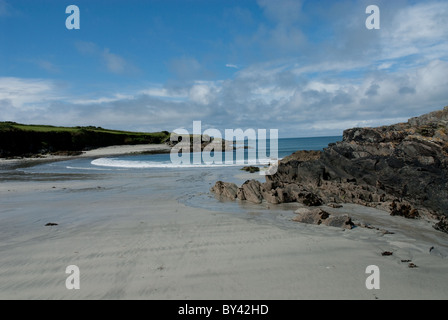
133 237
95 153
258 150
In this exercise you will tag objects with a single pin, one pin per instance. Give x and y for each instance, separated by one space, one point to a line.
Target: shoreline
118 150
135 235
132 238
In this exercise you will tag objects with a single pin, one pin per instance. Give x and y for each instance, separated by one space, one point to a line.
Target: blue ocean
246 153
239 157
156 176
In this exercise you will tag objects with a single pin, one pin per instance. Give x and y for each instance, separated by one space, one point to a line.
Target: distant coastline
43 141
116 150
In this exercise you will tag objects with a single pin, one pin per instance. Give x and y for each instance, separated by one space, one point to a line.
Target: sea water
155 174
141 162
239 157
142 179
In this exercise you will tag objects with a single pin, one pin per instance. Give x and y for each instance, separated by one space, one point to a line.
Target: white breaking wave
115 163
83 168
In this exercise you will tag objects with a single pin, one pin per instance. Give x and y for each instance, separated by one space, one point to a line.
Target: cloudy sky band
307 69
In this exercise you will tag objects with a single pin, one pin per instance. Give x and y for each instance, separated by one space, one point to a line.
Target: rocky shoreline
402 169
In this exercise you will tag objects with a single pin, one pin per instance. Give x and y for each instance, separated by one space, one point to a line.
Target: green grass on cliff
21 139
5 126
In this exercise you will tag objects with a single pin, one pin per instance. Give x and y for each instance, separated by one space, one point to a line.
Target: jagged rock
289 193
251 169
310 216
342 221
303 211
442 225
270 195
318 216
225 189
312 200
303 155
372 167
403 210
334 205
188 143
251 191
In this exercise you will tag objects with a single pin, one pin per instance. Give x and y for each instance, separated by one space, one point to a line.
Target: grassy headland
20 140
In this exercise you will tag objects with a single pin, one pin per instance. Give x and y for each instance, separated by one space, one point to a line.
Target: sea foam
117 163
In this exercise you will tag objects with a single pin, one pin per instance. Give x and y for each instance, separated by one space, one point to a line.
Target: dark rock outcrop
251 169
318 217
402 168
225 189
251 191
403 210
192 143
442 225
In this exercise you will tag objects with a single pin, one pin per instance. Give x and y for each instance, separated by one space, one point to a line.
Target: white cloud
297 108
101 100
28 100
385 65
203 92
418 29
179 94
321 86
27 93
329 87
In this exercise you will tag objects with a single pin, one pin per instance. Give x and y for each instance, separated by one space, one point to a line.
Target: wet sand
132 238
95 153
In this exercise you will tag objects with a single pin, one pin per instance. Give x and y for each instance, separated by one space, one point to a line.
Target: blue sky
307 68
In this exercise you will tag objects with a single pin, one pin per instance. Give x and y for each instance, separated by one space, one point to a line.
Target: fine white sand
132 239
120 150
100 152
